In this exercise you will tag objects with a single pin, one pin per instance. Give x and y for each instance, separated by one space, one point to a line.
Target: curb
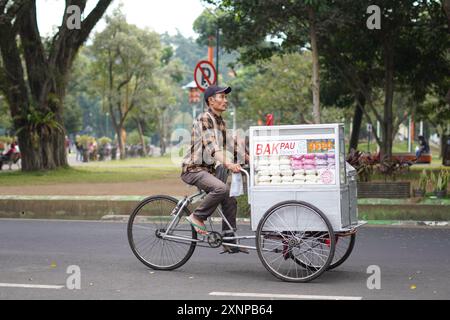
118 209
408 223
372 223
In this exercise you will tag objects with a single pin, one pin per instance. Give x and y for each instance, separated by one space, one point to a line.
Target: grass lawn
97 172
398 147
135 162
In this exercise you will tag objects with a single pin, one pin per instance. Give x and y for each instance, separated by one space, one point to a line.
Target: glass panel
342 159
295 160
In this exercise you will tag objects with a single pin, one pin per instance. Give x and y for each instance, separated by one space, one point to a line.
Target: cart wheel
295 241
344 247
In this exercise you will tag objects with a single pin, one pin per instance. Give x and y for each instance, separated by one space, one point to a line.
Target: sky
158 15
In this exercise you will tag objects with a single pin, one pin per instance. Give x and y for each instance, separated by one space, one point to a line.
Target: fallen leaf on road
413 287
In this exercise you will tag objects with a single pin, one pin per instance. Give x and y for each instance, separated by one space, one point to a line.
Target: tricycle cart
302 195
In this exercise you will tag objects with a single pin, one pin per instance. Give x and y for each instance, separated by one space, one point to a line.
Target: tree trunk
357 120
315 58
141 137
122 139
386 148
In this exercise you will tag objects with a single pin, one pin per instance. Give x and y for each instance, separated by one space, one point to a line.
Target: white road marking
29 286
282 296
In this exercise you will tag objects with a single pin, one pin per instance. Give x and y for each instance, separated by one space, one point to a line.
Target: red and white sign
205 75
280 148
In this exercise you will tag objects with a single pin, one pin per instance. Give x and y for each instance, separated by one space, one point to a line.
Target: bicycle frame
178 214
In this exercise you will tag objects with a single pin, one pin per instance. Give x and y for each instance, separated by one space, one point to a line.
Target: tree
436 110
126 58
36 95
285 90
78 91
151 113
394 61
247 25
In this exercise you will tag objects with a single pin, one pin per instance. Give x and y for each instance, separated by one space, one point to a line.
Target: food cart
303 200
304 163
302 193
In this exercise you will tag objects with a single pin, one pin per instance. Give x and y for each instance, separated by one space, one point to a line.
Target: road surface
35 257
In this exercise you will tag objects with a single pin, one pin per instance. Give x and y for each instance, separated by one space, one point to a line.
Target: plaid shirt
206 140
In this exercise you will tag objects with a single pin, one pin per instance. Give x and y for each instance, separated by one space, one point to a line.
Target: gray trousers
218 193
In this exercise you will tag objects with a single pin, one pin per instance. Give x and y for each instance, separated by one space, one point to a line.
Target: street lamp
217 50
194 96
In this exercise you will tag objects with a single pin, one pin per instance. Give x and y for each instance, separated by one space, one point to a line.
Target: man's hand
235 168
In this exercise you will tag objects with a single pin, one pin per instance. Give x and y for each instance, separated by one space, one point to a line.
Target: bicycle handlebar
248 184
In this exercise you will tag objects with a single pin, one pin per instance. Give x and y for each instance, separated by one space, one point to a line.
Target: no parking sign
205 75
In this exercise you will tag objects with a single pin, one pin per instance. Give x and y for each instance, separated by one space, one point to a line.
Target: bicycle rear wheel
147 227
344 247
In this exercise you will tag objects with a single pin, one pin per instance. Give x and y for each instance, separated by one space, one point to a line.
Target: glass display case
297 156
304 163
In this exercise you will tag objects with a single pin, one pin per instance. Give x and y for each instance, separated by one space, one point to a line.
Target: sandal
199 229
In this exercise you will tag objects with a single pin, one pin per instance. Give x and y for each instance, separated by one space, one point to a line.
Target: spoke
144 227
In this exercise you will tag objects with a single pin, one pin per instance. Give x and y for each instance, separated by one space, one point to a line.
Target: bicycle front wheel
148 230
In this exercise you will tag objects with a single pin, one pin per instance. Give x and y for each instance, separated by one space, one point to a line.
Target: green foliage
440 181
104 141
81 102
281 85
39 124
127 63
134 139
85 140
423 180
206 26
5 117
6 140
354 60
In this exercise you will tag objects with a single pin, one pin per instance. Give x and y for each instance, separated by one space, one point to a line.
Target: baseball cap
213 90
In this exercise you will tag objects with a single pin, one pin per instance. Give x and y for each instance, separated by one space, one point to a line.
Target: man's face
219 102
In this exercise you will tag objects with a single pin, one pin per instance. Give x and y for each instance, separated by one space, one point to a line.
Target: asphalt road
414 264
